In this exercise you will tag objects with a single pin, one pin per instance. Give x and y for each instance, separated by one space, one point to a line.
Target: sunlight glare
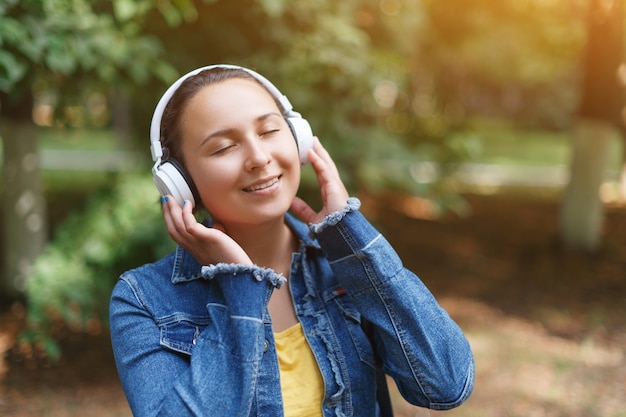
390 7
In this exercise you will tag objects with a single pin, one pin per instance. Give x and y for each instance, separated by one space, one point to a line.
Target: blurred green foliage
68 46
118 229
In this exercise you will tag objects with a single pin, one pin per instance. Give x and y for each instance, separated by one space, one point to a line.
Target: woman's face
240 152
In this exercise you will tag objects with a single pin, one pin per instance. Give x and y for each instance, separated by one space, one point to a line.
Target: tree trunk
24 220
581 210
121 118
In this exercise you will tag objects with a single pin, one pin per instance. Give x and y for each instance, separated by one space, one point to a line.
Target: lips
261 185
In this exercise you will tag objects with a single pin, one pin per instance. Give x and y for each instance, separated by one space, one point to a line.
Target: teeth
264 185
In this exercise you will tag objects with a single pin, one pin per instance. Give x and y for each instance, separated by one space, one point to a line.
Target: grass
501 144
78 139
524 371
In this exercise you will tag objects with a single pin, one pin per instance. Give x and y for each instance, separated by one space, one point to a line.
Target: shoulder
173 283
162 275
160 270
144 280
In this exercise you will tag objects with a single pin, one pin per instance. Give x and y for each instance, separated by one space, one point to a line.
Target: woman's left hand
334 193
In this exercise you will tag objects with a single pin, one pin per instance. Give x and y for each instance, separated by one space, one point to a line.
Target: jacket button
266 346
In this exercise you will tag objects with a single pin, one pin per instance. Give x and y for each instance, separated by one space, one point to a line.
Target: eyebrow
226 132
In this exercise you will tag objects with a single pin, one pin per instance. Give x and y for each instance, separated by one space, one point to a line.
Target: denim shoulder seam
126 279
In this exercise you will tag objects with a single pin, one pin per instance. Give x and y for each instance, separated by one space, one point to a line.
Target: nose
258 154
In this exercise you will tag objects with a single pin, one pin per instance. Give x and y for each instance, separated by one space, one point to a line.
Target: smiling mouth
266 184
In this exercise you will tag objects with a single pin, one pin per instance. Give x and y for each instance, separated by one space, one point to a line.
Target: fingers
169 218
333 191
323 154
323 165
303 211
189 220
180 221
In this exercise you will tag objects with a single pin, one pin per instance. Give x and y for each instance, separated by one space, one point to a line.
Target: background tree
509 63
599 123
65 48
546 65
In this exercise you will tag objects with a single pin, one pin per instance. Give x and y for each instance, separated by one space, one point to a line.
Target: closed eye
269 132
222 149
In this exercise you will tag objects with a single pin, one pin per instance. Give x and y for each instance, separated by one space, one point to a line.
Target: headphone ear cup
171 178
303 134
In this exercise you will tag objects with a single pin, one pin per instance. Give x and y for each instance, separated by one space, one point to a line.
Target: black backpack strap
382 390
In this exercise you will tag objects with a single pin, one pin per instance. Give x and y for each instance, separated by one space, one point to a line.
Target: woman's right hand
208 245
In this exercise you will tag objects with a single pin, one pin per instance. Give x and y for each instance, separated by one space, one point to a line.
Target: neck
269 245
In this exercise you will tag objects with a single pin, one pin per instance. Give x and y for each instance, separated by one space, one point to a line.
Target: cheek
214 196
209 180
291 178
290 160
288 151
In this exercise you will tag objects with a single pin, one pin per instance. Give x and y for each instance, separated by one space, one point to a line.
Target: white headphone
169 175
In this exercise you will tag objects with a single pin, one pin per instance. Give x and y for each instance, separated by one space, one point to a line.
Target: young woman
257 313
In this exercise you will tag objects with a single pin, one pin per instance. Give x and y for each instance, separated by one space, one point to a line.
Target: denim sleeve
219 378
421 347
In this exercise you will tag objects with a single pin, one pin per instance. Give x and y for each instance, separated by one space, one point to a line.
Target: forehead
232 94
226 105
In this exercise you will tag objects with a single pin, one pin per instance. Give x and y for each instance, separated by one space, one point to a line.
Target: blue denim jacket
194 340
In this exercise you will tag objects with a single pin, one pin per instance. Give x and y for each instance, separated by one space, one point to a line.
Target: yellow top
300 377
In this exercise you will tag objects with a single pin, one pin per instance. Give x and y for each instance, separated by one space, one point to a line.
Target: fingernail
184 203
167 199
162 200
